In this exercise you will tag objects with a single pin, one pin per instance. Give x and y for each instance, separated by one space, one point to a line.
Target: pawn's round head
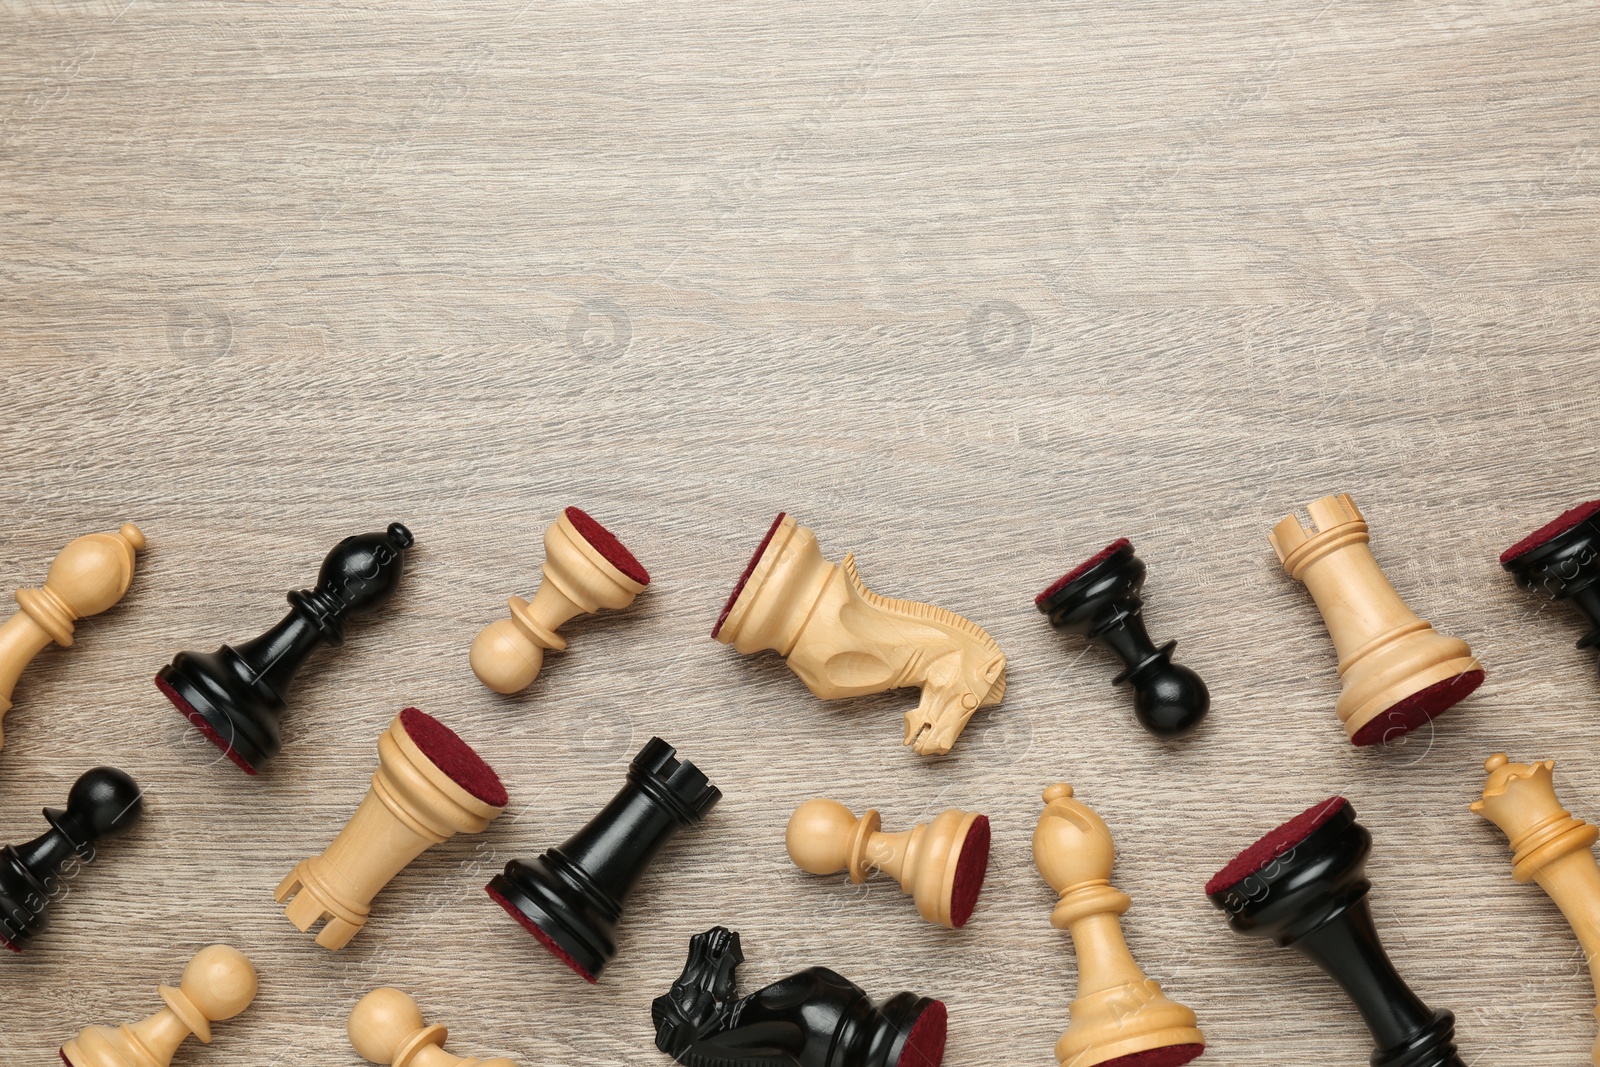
820 836
504 659
381 1022
220 981
1171 699
104 802
94 571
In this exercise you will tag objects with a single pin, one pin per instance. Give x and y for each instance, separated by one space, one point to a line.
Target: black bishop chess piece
570 898
1100 599
816 1018
103 803
236 695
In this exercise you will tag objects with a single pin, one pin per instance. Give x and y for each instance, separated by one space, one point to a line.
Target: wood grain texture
970 290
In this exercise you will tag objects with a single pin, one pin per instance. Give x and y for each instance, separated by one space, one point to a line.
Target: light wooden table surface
971 291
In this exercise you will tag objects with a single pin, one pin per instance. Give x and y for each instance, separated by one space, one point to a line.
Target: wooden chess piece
386 1027
85 578
1561 560
585 568
1398 672
429 786
816 1018
218 984
844 640
1120 1016
1549 846
1100 599
236 696
1304 886
571 898
940 863
103 803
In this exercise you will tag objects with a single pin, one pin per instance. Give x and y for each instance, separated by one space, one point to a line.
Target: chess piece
235 696
386 1027
585 568
1398 672
1549 846
816 1018
429 786
1304 885
1120 1016
1561 560
103 803
218 984
844 640
85 578
1099 598
570 899
940 863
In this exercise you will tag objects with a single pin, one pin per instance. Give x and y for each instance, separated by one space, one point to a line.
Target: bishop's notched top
844 640
236 696
86 578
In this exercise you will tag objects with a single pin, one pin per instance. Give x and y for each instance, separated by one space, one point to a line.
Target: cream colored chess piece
1118 1011
585 569
429 786
1548 846
940 863
386 1027
218 984
85 578
844 640
1398 671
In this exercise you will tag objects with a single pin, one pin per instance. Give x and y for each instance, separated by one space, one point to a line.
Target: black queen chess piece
236 695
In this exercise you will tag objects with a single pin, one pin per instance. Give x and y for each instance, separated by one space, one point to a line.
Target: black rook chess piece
816 1018
1305 886
571 897
1100 599
103 803
235 696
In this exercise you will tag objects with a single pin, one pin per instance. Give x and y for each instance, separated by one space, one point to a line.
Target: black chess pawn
816 1018
1304 886
1100 600
235 696
103 803
571 897
1561 560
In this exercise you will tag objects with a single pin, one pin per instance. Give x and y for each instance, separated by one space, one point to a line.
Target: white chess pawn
217 984
386 1027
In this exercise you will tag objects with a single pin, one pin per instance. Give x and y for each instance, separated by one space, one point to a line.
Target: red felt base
543 938
1259 856
1099 557
63 1054
9 947
924 1046
1551 530
749 568
454 757
1418 709
198 721
971 868
605 542
1166 1056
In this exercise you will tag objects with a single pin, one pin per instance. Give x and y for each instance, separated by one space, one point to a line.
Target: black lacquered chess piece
816 1018
1100 600
1305 886
1561 560
571 897
103 803
235 696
